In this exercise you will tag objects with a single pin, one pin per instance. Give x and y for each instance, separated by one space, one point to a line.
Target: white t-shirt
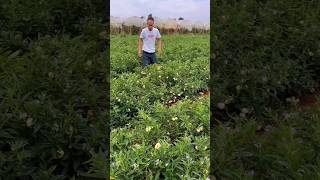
149 39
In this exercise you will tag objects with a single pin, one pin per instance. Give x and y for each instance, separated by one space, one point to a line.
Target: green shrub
264 51
287 149
182 134
53 109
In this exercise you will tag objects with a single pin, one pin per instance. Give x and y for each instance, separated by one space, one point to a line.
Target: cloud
188 9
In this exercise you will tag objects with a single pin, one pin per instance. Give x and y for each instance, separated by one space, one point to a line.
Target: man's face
150 24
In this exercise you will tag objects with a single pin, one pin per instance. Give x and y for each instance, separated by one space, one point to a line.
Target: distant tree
181 18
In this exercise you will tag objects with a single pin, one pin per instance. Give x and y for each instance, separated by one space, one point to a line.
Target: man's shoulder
143 30
156 30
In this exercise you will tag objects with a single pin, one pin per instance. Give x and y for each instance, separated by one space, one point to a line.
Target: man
147 41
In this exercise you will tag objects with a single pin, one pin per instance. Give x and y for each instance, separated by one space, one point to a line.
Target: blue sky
189 9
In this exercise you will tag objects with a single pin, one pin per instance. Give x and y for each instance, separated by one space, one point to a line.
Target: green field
160 114
265 80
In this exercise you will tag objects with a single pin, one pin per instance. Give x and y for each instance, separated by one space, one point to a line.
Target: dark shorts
148 58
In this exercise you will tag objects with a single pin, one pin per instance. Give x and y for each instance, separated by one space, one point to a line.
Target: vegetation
160 114
53 90
265 58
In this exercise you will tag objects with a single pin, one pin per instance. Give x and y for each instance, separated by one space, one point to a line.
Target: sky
195 10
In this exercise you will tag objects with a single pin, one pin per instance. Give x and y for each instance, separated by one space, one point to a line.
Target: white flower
29 122
157 146
167 77
144 86
238 87
245 110
50 74
119 99
221 105
264 79
197 148
148 129
60 153
159 76
199 129
157 162
174 118
135 166
310 53
137 146
89 63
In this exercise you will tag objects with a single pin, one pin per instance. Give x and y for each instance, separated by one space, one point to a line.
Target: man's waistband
148 52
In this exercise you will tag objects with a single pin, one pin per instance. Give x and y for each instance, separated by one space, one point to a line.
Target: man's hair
150 18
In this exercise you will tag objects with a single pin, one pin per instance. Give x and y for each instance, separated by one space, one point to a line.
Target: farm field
53 90
160 114
265 80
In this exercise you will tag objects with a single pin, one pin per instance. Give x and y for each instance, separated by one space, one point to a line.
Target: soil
308 101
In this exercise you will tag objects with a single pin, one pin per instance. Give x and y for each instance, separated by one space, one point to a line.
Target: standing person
147 42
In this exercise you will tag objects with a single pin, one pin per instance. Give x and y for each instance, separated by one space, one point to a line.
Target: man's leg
153 59
145 59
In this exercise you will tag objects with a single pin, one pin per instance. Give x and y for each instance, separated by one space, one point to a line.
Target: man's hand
139 54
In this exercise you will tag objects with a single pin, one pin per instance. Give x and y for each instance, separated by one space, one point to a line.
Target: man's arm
159 45
140 47
140 43
158 37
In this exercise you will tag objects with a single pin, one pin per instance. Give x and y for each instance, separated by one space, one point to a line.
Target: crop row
178 48
134 91
166 142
